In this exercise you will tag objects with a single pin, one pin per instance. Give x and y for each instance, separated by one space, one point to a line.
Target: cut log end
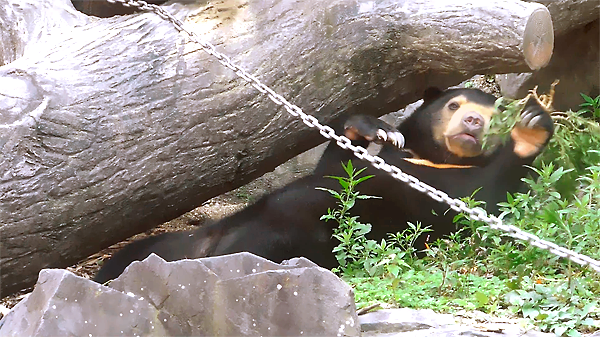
538 39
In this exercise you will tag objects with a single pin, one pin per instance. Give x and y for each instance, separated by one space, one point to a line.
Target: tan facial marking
450 122
455 121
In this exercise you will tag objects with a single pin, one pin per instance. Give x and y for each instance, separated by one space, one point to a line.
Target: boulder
64 304
233 295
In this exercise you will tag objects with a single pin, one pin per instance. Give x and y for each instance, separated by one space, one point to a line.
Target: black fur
285 223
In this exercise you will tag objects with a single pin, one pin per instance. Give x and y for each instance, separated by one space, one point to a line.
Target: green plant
574 146
350 232
355 253
507 116
545 304
244 193
490 271
590 105
567 300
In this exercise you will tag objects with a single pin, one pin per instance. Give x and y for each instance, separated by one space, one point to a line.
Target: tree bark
112 126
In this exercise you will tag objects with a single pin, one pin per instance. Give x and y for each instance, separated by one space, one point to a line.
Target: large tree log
112 126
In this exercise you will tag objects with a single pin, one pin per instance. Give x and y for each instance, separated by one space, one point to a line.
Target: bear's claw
394 138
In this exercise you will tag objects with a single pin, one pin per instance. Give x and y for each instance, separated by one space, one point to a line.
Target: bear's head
449 126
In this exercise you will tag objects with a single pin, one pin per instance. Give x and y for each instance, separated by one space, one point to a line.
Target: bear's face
450 125
461 124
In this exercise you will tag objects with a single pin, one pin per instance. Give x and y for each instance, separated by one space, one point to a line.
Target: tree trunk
112 126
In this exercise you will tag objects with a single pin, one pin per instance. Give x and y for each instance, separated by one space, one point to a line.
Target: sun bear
443 148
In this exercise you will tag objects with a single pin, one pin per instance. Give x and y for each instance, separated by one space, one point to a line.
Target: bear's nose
473 121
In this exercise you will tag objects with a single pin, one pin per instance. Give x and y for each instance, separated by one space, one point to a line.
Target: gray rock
243 294
235 295
404 319
424 323
64 304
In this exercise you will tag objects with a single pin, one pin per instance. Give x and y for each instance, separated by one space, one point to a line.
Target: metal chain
477 214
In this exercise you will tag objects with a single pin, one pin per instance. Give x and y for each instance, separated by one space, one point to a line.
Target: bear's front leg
372 129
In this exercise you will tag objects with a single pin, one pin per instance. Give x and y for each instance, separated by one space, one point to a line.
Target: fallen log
112 126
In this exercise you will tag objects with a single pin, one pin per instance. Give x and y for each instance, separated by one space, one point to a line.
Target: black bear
444 150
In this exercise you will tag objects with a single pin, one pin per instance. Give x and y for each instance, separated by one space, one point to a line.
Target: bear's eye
453 106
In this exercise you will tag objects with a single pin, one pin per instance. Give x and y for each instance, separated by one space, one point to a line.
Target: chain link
458 205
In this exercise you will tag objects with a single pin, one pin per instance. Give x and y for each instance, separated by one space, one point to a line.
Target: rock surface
63 304
422 323
234 295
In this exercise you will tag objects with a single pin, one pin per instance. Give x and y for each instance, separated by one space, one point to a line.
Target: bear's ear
431 94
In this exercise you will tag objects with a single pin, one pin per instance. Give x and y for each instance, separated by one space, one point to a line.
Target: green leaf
587 98
560 330
461 302
509 198
530 311
332 192
344 182
359 172
481 298
361 179
587 309
348 168
362 229
393 269
363 196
